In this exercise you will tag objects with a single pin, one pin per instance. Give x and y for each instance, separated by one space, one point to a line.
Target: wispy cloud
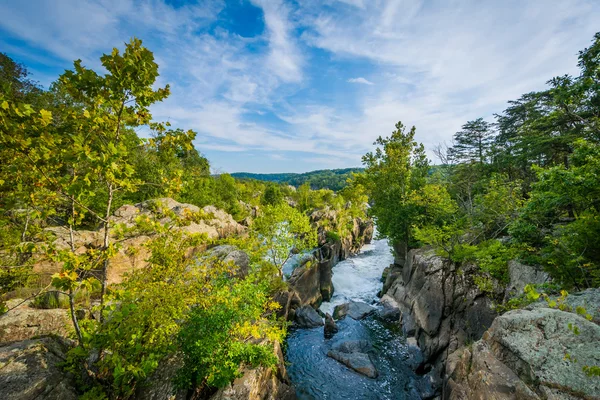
361 80
267 99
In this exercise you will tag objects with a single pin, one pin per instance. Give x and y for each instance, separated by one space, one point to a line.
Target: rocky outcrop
440 305
24 322
260 384
528 354
306 317
390 311
254 384
31 370
354 355
213 222
355 309
521 275
229 254
330 328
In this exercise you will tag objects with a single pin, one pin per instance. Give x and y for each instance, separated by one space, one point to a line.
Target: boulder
588 299
529 354
260 384
289 302
30 369
522 275
230 254
390 311
160 385
307 317
354 309
25 322
353 354
330 328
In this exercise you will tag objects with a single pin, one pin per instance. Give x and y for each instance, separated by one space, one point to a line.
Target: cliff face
441 306
473 353
528 354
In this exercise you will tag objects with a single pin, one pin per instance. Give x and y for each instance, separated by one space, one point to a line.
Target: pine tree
473 142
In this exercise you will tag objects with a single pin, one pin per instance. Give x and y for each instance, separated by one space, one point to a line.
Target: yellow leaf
5 105
86 113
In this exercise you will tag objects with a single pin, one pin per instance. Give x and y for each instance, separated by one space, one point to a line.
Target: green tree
395 179
283 231
473 142
272 195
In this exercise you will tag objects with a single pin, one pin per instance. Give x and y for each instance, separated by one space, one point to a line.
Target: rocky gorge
470 351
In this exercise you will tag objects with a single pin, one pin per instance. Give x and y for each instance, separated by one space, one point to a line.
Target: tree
393 173
283 231
272 195
473 142
15 83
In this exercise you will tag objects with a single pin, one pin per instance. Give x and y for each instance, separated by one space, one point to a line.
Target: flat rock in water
354 309
353 355
307 317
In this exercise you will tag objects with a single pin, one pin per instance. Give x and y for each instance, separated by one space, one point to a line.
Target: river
316 376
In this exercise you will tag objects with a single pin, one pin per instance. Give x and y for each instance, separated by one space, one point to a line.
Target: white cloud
360 79
438 64
284 59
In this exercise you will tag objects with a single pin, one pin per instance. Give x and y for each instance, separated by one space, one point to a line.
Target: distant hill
334 179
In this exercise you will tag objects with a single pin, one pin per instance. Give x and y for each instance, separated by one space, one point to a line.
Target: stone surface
440 305
25 322
523 356
307 317
354 309
354 355
390 311
132 255
260 384
330 328
30 370
522 275
230 254
160 385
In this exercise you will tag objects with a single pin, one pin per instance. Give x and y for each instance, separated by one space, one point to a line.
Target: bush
332 236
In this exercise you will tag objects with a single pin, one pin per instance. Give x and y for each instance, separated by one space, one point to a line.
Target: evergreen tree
473 142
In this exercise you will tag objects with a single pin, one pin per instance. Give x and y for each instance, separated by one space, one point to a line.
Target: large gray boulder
354 355
354 309
25 322
529 354
522 275
30 370
230 254
307 317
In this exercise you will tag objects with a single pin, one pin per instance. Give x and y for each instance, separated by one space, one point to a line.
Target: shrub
332 236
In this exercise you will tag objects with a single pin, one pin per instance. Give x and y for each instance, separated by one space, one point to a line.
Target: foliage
395 179
272 195
282 230
225 322
473 143
332 179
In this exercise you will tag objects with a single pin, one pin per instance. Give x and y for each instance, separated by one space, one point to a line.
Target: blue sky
293 86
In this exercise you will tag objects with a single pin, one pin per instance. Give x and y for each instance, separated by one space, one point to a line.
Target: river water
316 376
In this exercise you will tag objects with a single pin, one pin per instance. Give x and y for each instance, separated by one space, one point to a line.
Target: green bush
332 236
